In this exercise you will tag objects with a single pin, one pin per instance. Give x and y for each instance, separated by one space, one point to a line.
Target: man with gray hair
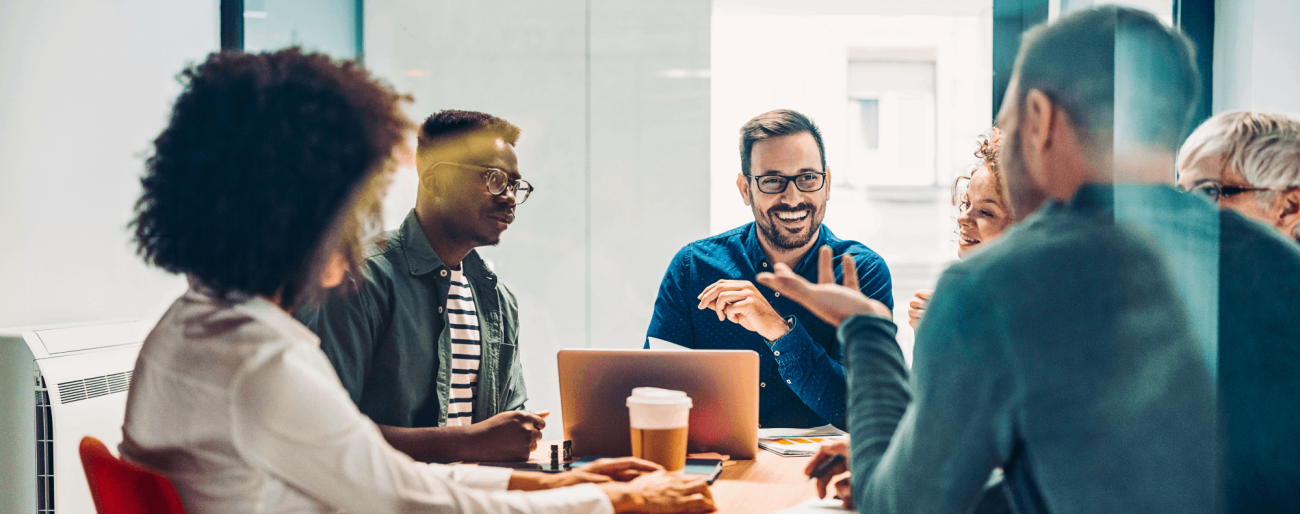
1248 162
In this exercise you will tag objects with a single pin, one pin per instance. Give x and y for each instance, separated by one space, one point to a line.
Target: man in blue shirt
709 299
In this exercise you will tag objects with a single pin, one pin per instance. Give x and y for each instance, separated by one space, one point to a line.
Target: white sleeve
294 420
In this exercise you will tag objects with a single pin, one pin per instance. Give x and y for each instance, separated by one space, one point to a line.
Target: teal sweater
1062 354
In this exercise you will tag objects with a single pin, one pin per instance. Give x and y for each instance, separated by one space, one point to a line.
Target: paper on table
815 506
660 344
800 432
796 446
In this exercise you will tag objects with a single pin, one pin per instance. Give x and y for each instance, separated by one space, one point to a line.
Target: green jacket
389 340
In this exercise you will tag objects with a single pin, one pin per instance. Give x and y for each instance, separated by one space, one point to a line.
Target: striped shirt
462 320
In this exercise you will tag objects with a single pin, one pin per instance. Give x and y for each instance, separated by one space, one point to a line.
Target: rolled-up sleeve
293 420
879 392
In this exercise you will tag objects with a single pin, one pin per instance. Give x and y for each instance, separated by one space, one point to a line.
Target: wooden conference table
766 484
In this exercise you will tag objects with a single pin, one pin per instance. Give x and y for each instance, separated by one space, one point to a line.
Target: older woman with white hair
1248 162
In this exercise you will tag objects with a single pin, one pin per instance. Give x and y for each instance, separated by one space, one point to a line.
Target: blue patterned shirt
801 379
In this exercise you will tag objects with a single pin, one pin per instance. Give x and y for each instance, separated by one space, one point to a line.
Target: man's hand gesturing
830 302
740 302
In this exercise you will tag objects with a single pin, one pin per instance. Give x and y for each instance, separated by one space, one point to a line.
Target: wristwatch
789 325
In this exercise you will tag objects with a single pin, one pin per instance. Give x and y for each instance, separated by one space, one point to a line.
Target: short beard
1024 196
779 239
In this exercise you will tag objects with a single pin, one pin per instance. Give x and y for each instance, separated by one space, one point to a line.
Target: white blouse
236 404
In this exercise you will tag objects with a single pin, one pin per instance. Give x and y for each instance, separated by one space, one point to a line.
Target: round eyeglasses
807 182
498 181
1215 191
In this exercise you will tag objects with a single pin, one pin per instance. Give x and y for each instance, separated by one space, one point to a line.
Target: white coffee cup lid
657 396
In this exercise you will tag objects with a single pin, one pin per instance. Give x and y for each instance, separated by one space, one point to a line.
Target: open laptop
722 384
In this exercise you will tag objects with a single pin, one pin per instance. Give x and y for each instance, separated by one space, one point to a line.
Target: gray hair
1263 147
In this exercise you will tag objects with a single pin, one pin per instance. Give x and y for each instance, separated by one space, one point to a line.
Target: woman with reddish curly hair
982 211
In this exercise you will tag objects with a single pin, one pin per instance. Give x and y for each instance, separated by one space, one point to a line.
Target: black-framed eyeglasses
808 182
1216 191
498 181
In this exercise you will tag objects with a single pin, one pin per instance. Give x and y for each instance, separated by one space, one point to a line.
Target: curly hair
270 163
988 157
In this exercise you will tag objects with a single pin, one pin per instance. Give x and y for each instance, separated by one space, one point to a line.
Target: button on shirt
235 404
804 366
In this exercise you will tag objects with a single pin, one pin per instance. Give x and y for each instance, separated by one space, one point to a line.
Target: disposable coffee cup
659 425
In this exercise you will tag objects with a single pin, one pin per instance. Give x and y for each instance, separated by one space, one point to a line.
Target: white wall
87 85
1257 55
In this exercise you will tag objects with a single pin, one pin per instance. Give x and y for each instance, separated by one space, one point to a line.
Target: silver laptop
722 384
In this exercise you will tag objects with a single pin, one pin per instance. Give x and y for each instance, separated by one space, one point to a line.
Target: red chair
120 487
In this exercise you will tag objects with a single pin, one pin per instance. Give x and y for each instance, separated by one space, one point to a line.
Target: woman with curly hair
259 190
982 212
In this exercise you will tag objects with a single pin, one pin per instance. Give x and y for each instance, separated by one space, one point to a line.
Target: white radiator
57 385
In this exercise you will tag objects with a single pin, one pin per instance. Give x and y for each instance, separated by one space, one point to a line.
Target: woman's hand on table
598 472
843 486
621 469
536 481
660 492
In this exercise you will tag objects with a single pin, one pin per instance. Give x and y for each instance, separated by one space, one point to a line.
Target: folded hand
916 307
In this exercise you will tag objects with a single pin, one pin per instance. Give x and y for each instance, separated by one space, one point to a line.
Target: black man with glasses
709 298
427 347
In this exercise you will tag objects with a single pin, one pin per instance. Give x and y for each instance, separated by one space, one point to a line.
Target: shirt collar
254 306
421 259
755 249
